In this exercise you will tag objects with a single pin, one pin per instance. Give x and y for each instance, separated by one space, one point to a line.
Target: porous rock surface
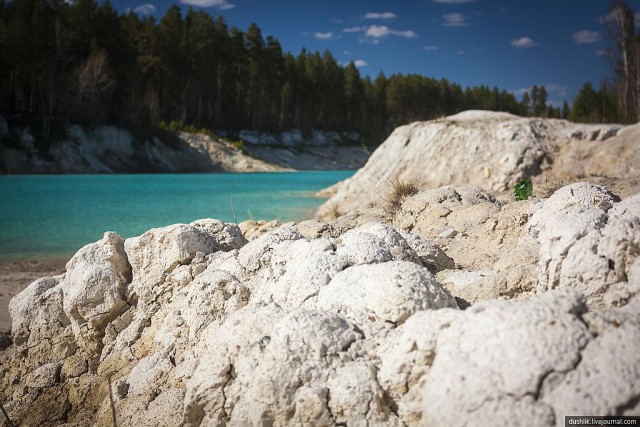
343 323
590 241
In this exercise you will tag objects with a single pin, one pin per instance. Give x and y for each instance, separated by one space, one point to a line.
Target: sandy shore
17 275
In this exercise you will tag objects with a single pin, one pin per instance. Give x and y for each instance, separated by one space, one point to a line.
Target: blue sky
511 44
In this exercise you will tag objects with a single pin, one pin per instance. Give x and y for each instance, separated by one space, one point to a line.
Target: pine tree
565 110
5 64
584 105
354 96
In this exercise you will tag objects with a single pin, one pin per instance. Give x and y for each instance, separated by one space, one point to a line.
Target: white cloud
354 29
586 36
378 31
602 52
453 1
358 63
556 88
408 34
551 88
326 36
218 4
430 47
523 42
454 20
145 9
383 15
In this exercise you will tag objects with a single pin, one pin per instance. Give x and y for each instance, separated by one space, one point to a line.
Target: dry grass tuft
333 212
552 183
396 194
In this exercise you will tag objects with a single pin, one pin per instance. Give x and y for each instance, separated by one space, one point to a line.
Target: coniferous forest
81 62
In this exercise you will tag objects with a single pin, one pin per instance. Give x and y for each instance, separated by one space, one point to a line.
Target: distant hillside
108 149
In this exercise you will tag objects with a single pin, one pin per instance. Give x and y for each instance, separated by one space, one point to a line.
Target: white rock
490 150
588 241
567 216
448 233
94 289
45 376
502 360
211 296
287 359
257 253
350 387
165 410
359 247
407 356
324 326
147 374
26 309
611 361
464 284
370 295
299 269
398 247
430 255
227 349
156 253
627 208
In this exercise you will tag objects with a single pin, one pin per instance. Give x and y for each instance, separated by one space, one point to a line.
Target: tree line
79 62
617 100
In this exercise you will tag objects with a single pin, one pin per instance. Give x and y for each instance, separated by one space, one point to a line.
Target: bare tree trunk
622 26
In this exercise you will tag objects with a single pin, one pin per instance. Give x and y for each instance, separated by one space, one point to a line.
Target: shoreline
17 274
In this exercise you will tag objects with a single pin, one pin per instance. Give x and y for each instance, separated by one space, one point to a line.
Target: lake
53 216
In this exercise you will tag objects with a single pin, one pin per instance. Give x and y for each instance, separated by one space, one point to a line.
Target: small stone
73 367
45 376
448 233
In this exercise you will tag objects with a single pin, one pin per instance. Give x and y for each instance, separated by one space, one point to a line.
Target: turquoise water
53 216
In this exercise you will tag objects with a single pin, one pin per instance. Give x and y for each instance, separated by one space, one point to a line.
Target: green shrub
523 189
239 145
176 126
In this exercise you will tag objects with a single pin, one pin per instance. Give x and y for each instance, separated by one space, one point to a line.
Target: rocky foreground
456 308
